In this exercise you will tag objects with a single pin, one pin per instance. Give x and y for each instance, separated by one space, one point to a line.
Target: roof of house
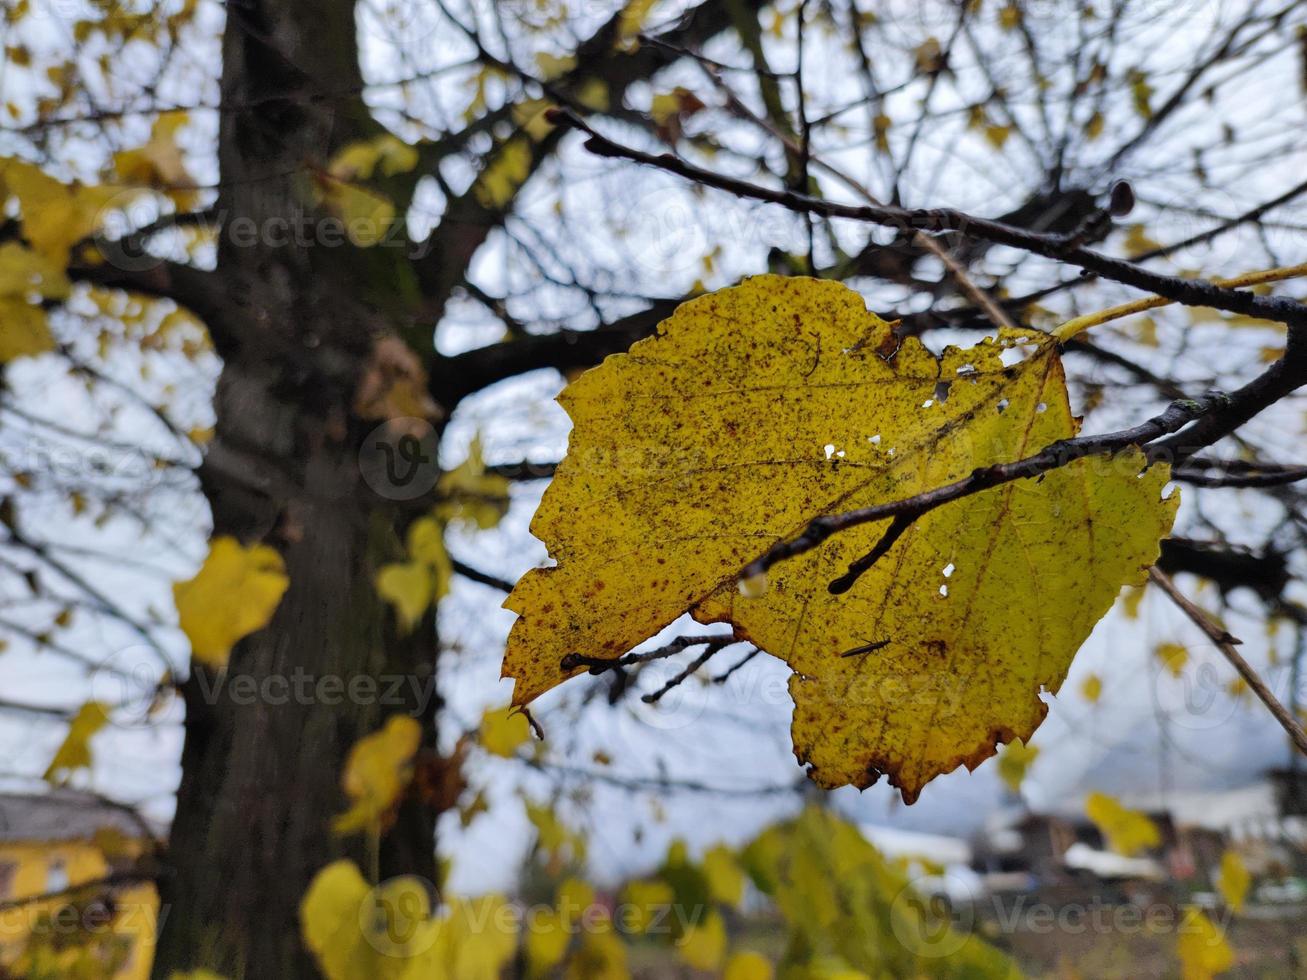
62 815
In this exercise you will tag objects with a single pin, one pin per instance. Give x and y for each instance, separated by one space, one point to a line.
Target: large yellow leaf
378 769
760 407
234 594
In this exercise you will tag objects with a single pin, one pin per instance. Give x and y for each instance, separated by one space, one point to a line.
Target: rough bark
266 742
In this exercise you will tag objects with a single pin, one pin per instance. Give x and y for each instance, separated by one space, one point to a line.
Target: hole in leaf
1041 408
943 590
1011 356
1002 404
941 391
948 569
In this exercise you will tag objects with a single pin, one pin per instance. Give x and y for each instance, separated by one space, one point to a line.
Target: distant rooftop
61 815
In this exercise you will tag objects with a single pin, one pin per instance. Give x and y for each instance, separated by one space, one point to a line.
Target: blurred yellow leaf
503 730
1141 92
704 944
747 966
1137 241
1014 761
602 956
234 594
1173 657
409 587
75 752
412 586
647 902
997 135
1131 597
574 898
1234 880
632 19
386 154
509 167
724 874
471 494
159 163
1126 831
1202 948
593 94
533 116
551 66
1092 688
546 942
56 216
378 769
881 124
357 932
366 215
26 278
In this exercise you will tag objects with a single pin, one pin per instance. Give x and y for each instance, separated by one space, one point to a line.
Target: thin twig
725 675
694 665
1225 643
1270 475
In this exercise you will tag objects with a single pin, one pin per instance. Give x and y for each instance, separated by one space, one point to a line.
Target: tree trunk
266 741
